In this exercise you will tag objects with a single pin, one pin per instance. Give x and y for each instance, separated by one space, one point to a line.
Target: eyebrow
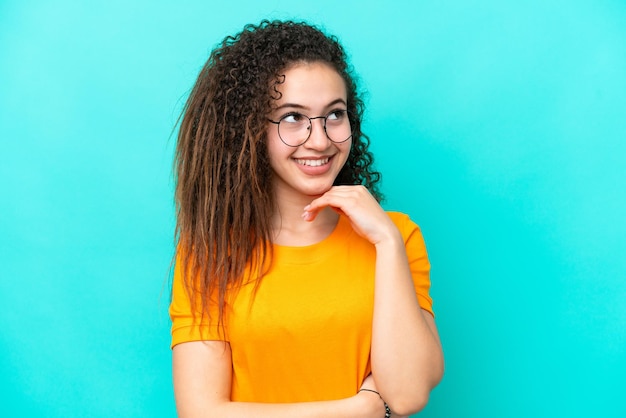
299 106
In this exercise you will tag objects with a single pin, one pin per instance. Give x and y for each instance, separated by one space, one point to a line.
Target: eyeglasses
294 129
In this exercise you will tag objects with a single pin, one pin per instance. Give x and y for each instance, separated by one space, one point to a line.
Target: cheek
273 144
277 152
343 155
346 147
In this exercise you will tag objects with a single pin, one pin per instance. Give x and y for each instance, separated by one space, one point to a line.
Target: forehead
311 85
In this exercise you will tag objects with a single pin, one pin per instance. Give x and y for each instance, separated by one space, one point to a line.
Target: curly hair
223 204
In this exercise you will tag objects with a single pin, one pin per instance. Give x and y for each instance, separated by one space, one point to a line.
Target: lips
312 163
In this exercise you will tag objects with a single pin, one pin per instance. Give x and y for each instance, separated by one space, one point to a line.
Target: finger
342 199
335 197
312 209
309 215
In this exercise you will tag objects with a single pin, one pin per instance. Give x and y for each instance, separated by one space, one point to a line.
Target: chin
315 194
316 191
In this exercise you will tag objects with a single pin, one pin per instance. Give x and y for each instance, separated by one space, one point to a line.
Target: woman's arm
202 383
407 360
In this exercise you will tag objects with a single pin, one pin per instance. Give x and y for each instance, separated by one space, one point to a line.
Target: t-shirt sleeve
418 258
185 326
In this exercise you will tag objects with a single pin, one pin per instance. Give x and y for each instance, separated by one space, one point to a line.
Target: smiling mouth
313 163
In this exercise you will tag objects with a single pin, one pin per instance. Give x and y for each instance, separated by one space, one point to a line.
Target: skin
311 89
407 361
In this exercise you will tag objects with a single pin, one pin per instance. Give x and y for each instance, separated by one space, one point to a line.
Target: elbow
408 406
413 402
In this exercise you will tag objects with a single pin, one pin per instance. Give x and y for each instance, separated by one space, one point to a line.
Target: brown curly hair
222 170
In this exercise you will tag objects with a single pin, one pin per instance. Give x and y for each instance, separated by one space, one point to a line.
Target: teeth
313 163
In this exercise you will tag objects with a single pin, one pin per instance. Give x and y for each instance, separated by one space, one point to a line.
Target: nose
317 139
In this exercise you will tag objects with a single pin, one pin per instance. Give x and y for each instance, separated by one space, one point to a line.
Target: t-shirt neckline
314 252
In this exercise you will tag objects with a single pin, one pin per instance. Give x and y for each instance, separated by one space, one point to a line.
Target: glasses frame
325 117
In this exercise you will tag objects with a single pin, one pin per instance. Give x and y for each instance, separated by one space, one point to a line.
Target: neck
290 229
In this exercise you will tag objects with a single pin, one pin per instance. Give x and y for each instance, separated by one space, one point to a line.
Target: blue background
499 126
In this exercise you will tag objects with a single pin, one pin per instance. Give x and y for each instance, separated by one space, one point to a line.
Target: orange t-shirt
306 335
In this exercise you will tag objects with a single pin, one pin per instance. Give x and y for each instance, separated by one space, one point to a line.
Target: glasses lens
294 129
338 126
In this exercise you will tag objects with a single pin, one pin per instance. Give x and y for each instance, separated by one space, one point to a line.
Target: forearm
202 377
407 361
343 408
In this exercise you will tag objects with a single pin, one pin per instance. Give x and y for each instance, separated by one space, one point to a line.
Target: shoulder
403 222
398 217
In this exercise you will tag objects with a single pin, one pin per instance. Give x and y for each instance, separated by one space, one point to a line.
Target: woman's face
313 90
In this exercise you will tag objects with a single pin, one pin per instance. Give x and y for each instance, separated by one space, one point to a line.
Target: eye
336 115
293 118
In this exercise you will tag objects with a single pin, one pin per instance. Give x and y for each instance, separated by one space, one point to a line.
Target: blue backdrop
499 126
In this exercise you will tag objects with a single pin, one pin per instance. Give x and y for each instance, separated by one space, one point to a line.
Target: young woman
295 294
